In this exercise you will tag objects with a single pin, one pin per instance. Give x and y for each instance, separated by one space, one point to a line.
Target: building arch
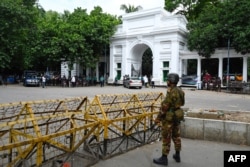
137 50
156 29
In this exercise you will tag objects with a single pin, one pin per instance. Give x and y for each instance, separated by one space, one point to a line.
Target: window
119 65
165 64
118 71
165 70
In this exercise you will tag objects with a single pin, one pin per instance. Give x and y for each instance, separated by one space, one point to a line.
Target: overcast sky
108 6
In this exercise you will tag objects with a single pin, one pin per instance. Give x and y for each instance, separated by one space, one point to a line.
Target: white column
184 66
174 67
157 64
220 70
244 69
124 61
199 69
112 64
181 66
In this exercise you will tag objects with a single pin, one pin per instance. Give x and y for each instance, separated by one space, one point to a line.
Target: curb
216 130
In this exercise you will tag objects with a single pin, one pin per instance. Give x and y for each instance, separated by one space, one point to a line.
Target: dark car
31 80
189 80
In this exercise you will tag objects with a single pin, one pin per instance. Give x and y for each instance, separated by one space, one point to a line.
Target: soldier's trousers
170 130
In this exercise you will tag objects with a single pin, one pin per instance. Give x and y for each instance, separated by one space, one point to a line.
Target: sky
108 6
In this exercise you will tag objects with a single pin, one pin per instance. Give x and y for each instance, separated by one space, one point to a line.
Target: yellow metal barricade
75 131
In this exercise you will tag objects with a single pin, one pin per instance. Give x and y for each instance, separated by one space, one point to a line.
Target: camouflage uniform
170 123
170 116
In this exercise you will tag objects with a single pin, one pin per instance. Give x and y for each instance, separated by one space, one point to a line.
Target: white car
133 82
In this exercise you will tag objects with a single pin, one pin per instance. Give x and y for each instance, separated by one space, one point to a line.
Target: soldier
170 116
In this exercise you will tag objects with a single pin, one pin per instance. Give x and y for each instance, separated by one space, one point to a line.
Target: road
195 99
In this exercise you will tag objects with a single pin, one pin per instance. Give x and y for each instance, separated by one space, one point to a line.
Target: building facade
165 34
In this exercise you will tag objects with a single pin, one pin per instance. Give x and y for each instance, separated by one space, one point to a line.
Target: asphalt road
195 99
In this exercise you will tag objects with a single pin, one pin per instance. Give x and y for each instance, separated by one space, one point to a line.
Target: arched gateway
165 34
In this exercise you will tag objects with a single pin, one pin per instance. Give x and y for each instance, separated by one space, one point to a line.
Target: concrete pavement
195 153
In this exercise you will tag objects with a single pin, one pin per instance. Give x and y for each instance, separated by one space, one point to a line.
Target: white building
162 32
165 34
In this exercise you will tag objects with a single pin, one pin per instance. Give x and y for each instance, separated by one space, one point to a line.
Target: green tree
130 8
17 27
189 8
94 31
203 33
47 46
75 37
220 25
34 39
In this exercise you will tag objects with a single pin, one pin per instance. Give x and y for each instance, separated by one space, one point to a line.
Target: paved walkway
195 153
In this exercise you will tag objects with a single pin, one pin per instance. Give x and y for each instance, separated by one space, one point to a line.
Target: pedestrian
116 81
64 81
73 81
145 78
43 81
170 117
102 81
153 82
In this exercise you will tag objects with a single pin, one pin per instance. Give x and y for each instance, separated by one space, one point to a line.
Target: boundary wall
216 130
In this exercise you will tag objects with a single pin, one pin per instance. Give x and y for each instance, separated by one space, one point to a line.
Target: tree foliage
215 24
130 8
189 8
32 38
17 25
219 26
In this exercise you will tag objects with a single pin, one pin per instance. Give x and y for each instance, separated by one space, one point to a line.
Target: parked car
133 82
31 80
189 80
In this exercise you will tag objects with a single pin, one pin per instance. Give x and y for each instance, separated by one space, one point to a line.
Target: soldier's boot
177 156
163 160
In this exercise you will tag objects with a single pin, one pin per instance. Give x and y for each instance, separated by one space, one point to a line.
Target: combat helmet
173 78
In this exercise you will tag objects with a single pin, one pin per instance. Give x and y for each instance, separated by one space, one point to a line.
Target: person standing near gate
153 82
43 81
170 116
102 81
145 78
73 81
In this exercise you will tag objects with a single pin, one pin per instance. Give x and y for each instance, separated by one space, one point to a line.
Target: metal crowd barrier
76 132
